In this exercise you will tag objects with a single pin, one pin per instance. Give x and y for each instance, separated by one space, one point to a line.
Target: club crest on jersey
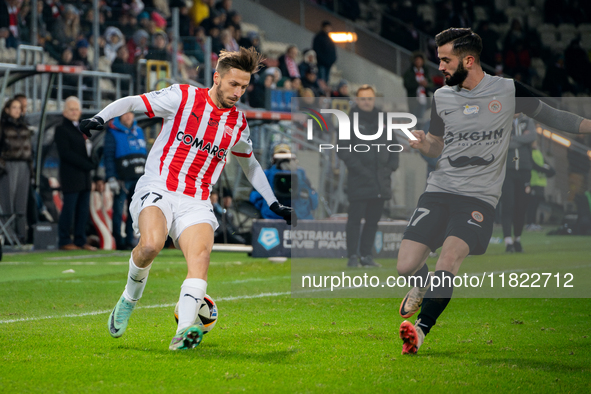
477 216
213 123
495 106
228 130
195 142
471 109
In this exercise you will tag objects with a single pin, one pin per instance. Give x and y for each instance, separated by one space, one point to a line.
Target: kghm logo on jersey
195 142
495 106
474 137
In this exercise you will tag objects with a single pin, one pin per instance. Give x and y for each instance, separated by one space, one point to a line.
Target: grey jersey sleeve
527 103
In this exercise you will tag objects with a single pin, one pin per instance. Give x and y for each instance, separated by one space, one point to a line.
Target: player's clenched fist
420 139
287 213
94 123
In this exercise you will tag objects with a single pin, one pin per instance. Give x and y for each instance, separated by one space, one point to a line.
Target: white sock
508 241
136 281
192 294
517 239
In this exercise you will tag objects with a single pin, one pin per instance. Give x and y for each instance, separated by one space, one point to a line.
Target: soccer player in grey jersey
470 128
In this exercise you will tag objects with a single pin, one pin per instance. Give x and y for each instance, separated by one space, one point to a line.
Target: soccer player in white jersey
200 127
470 128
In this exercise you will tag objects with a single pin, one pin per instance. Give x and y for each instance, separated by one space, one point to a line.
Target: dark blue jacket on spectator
125 151
303 206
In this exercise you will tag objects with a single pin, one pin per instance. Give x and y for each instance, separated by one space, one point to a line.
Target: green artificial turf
54 338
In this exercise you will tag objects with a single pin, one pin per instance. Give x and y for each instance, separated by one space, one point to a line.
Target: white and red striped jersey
190 152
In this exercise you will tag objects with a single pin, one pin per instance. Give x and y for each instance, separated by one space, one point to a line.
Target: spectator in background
228 40
66 28
538 182
224 6
24 104
201 10
257 96
215 20
490 46
296 84
216 42
288 64
80 56
516 187
233 19
309 62
87 27
556 81
121 66
125 158
577 63
418 84
70 81
158 49
77 160
126 26
255 41
9 22
16 164
369 182
227 231
342 89
578 170
326 51
281 175
138 46
114 40
310 81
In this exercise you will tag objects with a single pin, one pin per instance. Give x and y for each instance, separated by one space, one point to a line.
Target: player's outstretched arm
429 145
256 176
113 110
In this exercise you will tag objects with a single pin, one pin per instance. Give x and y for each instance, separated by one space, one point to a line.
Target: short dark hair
464 40
248 60
19 96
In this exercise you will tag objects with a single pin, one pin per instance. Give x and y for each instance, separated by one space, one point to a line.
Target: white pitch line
245 297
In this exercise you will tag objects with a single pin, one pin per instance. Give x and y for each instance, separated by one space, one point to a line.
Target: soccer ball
208 314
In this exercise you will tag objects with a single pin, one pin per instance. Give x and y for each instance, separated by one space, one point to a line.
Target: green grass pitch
53 332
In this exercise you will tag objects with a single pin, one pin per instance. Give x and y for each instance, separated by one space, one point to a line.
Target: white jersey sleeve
163 103
243 147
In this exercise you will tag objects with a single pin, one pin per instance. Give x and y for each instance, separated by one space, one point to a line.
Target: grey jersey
476 129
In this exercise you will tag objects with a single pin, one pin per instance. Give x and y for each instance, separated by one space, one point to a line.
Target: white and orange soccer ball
208 314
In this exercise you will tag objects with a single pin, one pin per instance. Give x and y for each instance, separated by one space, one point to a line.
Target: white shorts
180 211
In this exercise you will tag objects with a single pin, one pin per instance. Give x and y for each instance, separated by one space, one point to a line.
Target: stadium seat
427 12
480 14
514 13
534 18
523 4
567 32
501 4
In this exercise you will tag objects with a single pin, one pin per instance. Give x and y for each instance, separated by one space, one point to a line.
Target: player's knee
405 271
149 249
